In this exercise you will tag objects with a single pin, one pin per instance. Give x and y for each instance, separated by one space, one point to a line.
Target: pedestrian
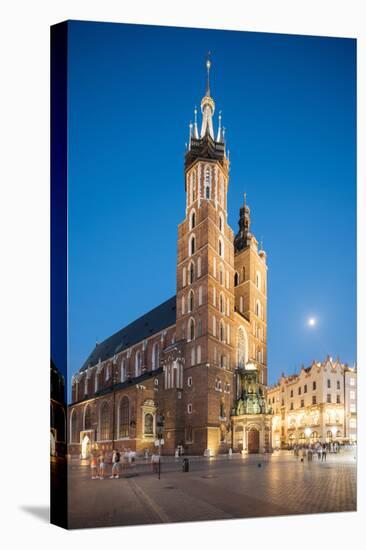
146 453
115 464
102 465
93 466
324 453
230 454
176 454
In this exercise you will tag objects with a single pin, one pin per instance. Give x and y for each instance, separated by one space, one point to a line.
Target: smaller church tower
250 282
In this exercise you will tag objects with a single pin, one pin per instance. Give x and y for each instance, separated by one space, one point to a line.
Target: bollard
185 465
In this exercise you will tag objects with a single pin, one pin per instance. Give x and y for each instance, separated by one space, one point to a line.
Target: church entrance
253 441
85 447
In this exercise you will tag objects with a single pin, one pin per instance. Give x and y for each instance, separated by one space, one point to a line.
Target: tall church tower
250 281
205 286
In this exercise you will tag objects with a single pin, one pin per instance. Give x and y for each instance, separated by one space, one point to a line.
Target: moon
311 321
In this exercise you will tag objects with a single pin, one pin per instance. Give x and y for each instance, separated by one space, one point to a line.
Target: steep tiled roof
154 321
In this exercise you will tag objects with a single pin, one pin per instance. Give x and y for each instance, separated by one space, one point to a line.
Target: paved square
221 488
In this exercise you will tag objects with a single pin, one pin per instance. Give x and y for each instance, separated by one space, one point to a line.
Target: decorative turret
243 237
203 144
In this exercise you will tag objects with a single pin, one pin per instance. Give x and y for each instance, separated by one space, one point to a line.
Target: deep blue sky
288 103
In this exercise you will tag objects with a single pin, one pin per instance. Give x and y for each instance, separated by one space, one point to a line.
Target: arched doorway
253 440
85 447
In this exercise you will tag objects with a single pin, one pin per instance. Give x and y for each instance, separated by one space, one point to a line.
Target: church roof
154 321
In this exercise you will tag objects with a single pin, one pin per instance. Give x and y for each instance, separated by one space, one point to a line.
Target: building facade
180 372
318 404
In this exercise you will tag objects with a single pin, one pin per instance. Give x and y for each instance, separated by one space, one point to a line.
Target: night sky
288 103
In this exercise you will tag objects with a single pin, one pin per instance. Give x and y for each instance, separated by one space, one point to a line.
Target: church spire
207 107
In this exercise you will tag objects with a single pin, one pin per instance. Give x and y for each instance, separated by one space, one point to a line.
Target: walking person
324 453
94 466
115 464
102 465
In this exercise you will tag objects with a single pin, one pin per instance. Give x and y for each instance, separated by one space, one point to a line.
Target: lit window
352 408
189 408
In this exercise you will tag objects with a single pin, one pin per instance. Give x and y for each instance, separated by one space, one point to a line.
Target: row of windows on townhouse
193 186
313 401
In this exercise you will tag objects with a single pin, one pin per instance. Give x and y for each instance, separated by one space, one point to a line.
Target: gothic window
221 247
221 275
199 328
198 354
200 291
192 245
214 266
124 417
221 222
258 280
149 424
214 296
191 300
191 272
155 356
258 308
87 418
193 357
138 363
207 182
74 427
236 278
191 329
228 334
104 422
183 305
123 370
184 277
192 220
222 332
96 382
222 303
199 266
227 307
214 326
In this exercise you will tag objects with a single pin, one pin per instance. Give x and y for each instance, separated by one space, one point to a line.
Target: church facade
193 371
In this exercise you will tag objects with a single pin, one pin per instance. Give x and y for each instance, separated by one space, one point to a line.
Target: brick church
193 371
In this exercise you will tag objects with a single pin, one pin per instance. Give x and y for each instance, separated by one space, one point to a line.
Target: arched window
221 222
236 278
227 307
191 272
221 275
222 332
214 326
258 280
193 357
183 305
200 296
96 381
74 427
207 182
123 370
87 418
199 328
184 277
258 308
198 354
214 266
148 424
138 363
192 220
191 328
199 266
214 296
192 245
191 300
221 247
104 422
155 356
222 303
124 417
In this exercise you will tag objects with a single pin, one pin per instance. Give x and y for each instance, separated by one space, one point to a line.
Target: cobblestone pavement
222 488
